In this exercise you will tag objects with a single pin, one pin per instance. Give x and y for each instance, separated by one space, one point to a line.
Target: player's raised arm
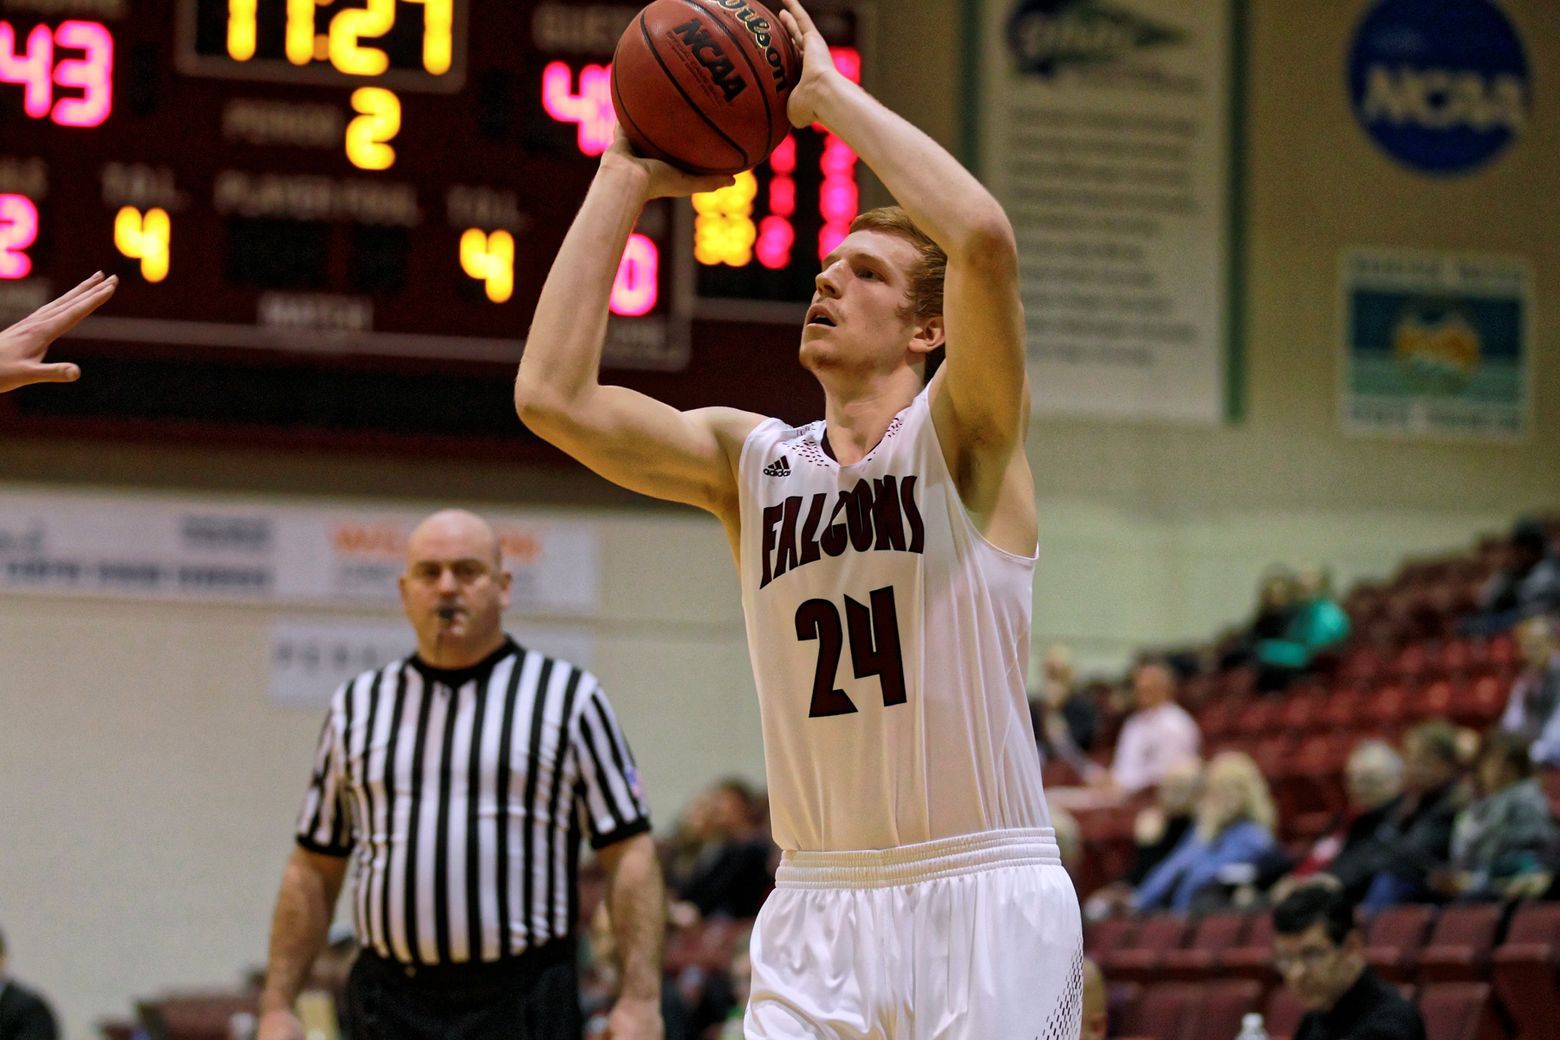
631 439
983 377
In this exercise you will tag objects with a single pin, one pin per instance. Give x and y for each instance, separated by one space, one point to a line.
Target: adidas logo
781 467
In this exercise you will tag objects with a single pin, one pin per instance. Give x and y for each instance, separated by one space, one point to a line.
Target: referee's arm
618 817
310 885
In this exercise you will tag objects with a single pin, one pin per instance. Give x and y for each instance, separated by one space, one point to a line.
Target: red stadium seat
1102 938
1257 716
1387 704
1394 937
1216 719
1253 957
1460 944
1163 1012
1284 1012
1343 709
1140 961
1223 1004
1300 709
1459 1011
1527 970
1211 936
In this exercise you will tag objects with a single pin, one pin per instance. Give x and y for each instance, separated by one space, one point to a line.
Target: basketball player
23 345
886 555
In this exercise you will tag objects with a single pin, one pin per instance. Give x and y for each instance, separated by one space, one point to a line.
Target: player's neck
857 417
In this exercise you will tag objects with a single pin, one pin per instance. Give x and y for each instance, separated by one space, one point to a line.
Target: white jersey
889 643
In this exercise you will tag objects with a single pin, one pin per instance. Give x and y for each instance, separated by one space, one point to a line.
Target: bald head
454 589
449 526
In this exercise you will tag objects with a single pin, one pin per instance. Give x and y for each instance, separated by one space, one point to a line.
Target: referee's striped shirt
463 797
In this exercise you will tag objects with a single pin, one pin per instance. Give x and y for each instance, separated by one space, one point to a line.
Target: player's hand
280 1024
662 180
635 1018
23 345
818 72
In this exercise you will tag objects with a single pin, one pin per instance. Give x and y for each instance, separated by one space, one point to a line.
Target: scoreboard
368 194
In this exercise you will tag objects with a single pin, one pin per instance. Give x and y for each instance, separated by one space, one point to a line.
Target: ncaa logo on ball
701 46
1440 85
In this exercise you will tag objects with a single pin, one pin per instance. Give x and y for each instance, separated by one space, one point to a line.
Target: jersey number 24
874 648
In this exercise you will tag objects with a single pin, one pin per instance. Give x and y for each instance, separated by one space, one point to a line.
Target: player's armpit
646 445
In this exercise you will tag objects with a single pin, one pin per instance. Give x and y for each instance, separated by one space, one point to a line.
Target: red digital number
34 69
18 230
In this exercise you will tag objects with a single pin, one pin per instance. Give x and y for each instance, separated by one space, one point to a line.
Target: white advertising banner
311 655
1107 130
173 549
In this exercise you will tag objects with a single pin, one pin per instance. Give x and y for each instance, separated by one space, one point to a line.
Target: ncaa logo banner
1442 86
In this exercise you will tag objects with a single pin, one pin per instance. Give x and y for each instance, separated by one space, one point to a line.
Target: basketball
703 84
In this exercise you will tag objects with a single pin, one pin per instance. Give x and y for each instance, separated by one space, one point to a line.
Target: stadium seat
1211 936
1216 719
1140 961
1527 970
1257 716
1102 938
1394 937
1253 957
1163 1012
1284 1012
1300 708
1459 1011
1217 1015
1343 708
1460 944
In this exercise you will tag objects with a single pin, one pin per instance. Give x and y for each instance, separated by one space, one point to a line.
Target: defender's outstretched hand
663 180
23 345
818 71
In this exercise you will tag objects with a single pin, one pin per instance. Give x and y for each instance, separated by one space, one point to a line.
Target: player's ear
929 334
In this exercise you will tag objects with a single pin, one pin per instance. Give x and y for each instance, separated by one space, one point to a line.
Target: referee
459 783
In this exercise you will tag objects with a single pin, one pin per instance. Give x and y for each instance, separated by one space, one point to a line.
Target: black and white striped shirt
463 796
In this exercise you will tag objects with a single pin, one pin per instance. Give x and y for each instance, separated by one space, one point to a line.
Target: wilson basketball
703 84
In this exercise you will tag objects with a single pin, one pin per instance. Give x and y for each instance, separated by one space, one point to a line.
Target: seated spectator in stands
1064 716
1533 708
1316 623
1353 850
1421 835
1275 606
1502 844
1069 839
1156 736
1528 582
1158 831
1096 1005
1233 829
1319 953
725 871
24 1015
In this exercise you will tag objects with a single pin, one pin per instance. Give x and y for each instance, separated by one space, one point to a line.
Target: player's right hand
280 1024
23 345
662 180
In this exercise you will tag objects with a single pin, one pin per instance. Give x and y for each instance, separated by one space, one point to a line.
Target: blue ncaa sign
1441 85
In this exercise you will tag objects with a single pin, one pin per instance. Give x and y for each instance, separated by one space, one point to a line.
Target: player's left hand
818 72
23 345
635 1018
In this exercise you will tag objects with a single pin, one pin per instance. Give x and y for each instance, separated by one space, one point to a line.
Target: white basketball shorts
970 938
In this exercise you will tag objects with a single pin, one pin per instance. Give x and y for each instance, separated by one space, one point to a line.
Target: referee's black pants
533 996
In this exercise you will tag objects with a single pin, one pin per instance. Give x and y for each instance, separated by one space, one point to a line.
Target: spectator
1533 707
1275 606
1353 850
1502 843
1421 834
24 1015
1069 839
1156 736
1234 828
1316 623
1527 583
1319 953
1062 713
1158 830
728 875
1096 1009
